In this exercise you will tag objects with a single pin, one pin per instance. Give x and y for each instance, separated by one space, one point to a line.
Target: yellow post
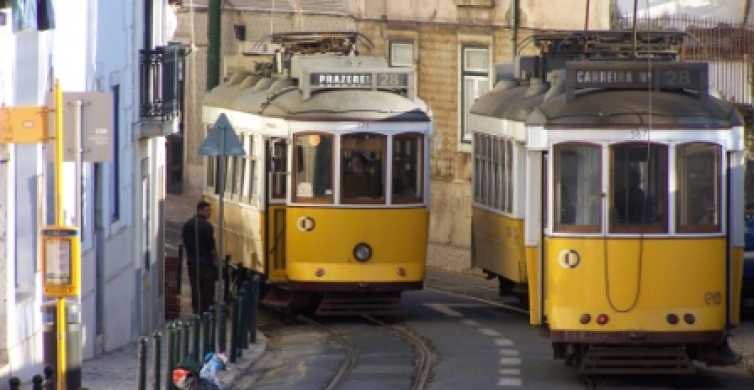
61 320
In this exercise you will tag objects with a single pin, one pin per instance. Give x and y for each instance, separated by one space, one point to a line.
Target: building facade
117 47
453 44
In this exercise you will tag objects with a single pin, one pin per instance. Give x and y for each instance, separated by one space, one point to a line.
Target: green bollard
222 328
196 324
205 334
157 337
142 379
172 355
213 329
185 339
254 307
234 329
37 382
14 383
243 317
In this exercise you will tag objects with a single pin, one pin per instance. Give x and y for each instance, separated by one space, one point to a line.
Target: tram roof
636 108
281 98
607 108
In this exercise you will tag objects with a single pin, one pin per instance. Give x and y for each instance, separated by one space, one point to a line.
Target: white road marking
513 382
510 361
509 352
445 308
490 332
503 342
510 371
470 322
482 300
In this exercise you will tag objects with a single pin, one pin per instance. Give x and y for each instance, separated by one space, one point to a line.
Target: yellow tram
331 199
614 194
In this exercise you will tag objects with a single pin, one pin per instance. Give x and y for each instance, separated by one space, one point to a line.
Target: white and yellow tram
618 205
331 198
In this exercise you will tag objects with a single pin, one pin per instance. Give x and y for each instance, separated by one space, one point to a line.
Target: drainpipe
148 23
214 12
514 27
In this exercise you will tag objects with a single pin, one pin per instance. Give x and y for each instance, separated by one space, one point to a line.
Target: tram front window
577 188
698 195
639 188
407 168
313 168
363 168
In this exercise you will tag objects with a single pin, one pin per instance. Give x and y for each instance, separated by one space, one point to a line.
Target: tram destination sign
636 75
358 80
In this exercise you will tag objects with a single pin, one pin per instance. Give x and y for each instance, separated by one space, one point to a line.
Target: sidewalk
118 370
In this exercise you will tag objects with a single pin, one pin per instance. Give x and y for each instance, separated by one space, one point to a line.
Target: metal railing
160 76
196 336
727 46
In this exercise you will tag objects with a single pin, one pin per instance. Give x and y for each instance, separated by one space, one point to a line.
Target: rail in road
424 359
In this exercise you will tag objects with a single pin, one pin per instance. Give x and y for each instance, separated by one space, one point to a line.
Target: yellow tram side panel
677 276
398 238
737 273
275 242
532 273
499 244
243 233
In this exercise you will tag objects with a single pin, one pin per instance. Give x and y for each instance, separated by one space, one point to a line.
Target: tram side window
493 172
230 174
313 168
639 188
577 188
363 168
408 172
211 160
249 189
698 168
279 168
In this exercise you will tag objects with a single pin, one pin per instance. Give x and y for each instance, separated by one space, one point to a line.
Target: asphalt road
475 345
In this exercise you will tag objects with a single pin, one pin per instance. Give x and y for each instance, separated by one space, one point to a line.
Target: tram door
277 175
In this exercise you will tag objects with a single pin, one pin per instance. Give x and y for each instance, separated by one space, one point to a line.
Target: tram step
636 360
355 305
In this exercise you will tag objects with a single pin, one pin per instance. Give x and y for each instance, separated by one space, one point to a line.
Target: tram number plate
638 134
713 298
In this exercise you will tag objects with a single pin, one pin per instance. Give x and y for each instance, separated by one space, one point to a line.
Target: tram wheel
505 286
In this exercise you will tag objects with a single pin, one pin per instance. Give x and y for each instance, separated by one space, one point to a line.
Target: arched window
578 192
698 173
639 188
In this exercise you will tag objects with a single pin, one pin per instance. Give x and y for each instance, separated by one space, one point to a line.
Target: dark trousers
203 289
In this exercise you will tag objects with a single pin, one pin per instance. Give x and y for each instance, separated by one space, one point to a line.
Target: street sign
23 124
221 140
94 120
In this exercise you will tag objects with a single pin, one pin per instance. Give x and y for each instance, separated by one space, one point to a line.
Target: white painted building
94 46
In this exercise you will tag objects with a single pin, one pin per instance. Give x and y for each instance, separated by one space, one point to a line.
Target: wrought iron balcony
160 82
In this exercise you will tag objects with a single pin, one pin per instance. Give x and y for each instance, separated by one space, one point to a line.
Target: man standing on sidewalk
199 241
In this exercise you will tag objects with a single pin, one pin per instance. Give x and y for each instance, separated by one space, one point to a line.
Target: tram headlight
362 252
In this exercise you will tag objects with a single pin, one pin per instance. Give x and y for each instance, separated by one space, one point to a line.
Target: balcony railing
160 82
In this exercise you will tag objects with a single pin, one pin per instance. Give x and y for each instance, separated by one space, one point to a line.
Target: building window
115 182
698 169
639 188
578 193
313 168
363 168
475 82
401 54
408 172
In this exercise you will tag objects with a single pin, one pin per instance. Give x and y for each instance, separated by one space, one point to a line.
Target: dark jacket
198 234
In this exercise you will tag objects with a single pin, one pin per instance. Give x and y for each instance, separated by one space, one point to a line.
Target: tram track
424 357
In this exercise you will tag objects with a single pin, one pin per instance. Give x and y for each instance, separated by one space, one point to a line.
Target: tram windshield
313 168
363 168
577 188
639 187
407 168
698 196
